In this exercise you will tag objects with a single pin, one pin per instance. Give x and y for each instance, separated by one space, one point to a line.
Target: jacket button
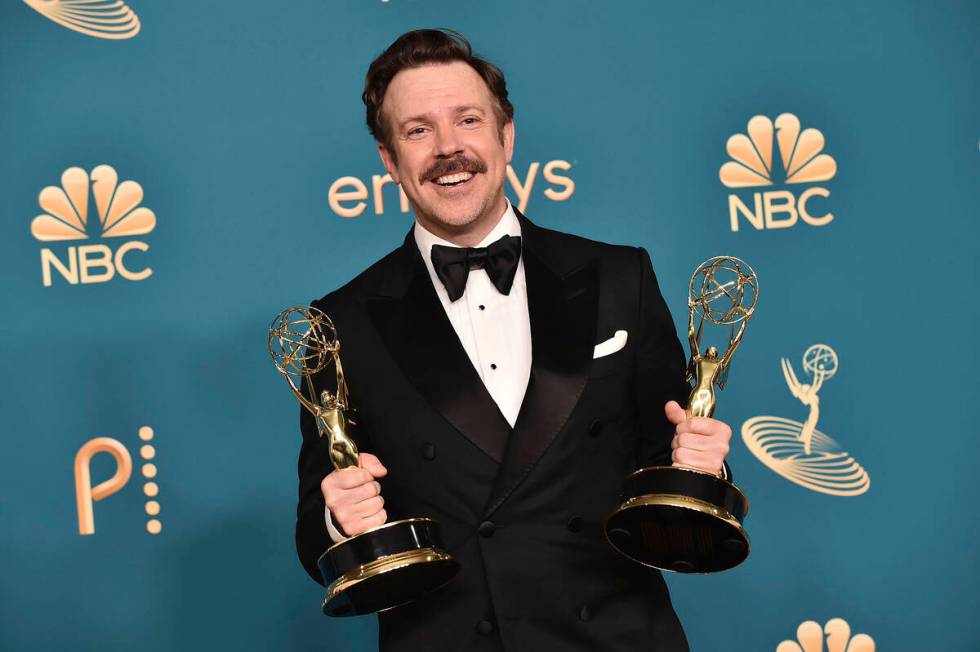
486 529
484 627
575 524
428 451
595 428
585 614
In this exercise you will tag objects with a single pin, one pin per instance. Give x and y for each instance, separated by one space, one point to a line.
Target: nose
447 142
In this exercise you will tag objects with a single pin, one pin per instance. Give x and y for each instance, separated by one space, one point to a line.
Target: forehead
435 88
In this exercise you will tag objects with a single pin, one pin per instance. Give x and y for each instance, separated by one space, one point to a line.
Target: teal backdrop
237 118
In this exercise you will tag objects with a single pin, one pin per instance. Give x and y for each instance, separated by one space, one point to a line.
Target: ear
389 162
509 140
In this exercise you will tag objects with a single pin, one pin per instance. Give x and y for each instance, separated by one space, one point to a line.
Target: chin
464 214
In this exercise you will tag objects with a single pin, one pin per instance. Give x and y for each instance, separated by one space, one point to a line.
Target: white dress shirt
494 328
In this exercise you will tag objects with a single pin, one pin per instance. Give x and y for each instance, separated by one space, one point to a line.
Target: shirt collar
507 225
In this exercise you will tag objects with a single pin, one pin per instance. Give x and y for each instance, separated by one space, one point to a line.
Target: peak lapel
421 339
562 307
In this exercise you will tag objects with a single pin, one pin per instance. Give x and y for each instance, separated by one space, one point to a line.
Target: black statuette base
385 567
680 520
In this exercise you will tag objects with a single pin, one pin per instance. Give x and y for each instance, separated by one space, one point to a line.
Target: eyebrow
424 117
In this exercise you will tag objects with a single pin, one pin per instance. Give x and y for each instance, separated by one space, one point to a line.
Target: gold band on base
683 502
381 566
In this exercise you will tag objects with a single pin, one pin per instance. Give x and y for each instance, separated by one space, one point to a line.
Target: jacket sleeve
312 533
312 537
660 370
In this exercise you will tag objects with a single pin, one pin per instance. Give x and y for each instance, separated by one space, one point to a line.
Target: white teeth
454 178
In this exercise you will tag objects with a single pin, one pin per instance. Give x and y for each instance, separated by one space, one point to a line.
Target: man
484 401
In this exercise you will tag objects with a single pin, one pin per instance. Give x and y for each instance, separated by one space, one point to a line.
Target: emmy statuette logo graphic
86 494
752 166
108 19
797 450
810 637
67 217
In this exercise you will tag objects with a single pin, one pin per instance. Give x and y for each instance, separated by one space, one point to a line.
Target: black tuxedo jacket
521 509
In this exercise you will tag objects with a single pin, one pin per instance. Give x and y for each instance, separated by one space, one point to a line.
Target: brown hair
418 48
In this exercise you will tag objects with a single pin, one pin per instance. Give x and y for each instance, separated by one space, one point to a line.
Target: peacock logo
66 217
107 19
797 450
753 165
810 637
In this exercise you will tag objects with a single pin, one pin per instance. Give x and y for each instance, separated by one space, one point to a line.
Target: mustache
458 163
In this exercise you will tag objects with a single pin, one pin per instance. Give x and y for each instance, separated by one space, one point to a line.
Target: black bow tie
453 264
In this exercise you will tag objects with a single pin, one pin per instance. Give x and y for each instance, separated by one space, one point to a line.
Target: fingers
353 496
369 507
362 493
704 426
372 465
367 523
701 443
349 478
675 413
341 488
697 459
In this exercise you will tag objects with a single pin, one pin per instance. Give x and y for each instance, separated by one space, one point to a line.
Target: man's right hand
353 495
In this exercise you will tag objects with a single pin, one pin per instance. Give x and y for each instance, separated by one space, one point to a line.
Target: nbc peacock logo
67 217
797 450
107 19
810 637
753 163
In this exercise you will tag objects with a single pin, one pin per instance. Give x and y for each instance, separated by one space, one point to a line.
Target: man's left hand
699 442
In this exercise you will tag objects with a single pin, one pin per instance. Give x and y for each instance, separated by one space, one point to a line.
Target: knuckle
354 528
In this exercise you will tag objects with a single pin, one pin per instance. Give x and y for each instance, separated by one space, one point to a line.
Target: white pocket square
613 344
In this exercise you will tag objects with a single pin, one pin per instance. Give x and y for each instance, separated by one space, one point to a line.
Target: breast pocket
614 363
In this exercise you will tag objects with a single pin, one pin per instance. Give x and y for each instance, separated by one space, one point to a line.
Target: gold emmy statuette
386 566
682 519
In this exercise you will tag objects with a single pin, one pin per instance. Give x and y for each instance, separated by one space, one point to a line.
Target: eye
470 121
416 132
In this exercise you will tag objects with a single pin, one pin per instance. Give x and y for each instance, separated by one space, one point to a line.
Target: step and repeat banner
175 173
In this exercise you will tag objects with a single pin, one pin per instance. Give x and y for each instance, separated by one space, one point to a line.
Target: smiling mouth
452 180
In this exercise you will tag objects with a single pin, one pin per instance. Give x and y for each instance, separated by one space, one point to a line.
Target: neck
468 235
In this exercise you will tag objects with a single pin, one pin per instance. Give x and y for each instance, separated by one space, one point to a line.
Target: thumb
372 465
675 413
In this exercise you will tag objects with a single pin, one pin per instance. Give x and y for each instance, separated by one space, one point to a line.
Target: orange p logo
85 493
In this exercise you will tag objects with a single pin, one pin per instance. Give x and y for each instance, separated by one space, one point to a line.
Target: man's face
450 155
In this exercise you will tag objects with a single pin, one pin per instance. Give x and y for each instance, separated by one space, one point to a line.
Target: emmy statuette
386 566
677 518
